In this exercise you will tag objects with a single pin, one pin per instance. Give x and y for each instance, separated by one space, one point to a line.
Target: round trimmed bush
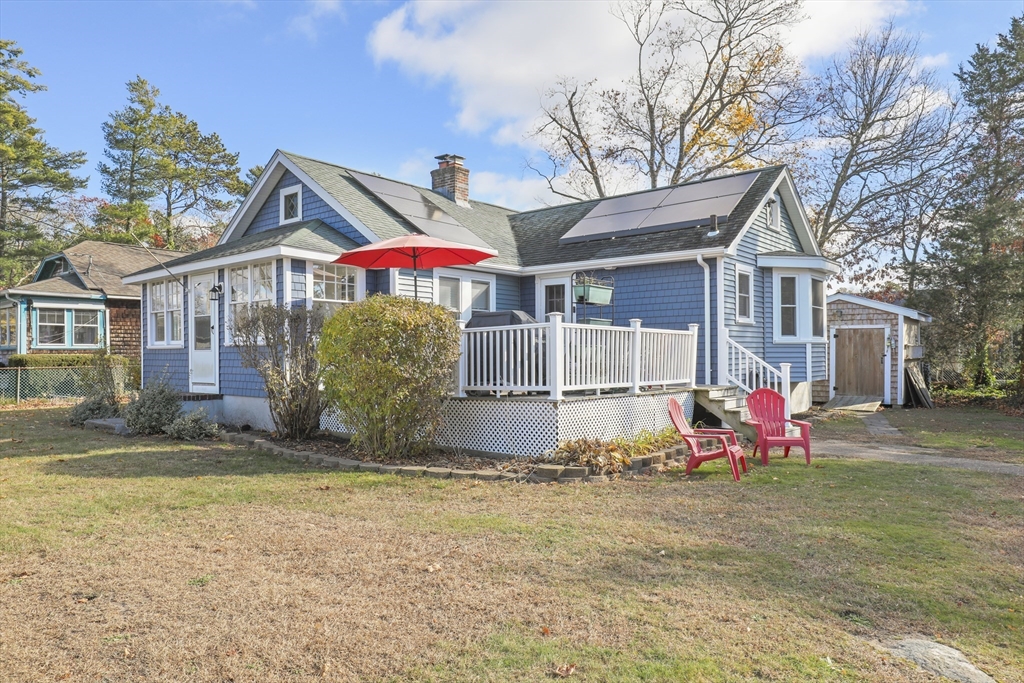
389 364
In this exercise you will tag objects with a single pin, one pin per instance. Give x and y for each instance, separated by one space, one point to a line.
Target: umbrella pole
415 279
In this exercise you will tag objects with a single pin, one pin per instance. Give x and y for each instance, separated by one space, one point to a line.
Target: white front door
203 335
553 296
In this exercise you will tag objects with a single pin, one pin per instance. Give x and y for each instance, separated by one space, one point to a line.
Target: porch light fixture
216 291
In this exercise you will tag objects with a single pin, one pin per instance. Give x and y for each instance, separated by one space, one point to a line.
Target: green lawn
143 559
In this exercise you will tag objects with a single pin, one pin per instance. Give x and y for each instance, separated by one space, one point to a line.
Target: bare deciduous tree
886 136
712 89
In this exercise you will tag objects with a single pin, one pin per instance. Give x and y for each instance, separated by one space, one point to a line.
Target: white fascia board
256 197
279 251
818 263
55 295
622 261
784 184
329 199
91 306
125 298
881 305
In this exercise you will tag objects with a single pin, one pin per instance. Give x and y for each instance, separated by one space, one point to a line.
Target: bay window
165 313
799 307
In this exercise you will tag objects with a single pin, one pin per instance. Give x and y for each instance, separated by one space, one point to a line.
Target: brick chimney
451 179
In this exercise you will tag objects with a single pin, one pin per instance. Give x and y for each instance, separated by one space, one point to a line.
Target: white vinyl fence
556 357
51 384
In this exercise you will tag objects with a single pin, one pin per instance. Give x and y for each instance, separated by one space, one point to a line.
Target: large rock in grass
941 660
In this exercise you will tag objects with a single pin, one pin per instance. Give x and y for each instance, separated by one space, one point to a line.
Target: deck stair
728 404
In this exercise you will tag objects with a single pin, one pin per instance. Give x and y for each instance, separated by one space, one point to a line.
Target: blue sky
383 86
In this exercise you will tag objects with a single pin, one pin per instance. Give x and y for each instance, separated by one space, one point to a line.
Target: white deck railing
556 357
746 371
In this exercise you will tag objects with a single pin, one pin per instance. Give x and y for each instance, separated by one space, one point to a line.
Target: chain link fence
51 384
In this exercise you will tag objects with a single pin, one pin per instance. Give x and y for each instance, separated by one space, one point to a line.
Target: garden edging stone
542 473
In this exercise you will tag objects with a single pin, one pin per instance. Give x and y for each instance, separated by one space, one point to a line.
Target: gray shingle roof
314 235
68 283
531 238
101 265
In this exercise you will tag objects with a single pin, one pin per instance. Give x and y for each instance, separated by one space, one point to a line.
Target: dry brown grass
141 559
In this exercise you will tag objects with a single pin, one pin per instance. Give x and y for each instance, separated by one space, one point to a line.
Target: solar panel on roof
426 216
661 210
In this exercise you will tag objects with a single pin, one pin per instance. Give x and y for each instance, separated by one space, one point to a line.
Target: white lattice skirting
530 426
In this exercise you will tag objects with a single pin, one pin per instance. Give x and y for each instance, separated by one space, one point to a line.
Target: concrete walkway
878 425
909 455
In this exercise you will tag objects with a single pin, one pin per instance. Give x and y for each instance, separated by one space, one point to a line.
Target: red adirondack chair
768 416
694 437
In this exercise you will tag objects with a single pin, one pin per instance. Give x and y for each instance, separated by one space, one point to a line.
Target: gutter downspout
707 318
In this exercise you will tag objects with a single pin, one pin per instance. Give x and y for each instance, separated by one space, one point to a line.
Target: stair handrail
747 371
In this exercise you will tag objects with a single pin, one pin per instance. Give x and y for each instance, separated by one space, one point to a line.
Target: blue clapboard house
704 290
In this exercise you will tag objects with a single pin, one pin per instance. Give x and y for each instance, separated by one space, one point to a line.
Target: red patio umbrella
414 251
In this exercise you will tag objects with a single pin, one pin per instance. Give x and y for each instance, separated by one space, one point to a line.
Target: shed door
860 362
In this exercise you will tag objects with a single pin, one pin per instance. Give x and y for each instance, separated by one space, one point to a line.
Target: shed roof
881 306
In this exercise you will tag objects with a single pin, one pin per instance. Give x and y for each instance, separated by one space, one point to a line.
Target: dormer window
291 204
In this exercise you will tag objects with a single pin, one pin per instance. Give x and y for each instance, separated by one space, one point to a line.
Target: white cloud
513 193
934 61
498 57
309 23
830 25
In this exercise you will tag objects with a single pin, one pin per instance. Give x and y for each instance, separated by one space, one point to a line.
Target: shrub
192 427
280 343
153 408
92 408
388 367
49 360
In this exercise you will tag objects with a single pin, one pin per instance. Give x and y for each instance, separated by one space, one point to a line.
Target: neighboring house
751 276
77 303
871 343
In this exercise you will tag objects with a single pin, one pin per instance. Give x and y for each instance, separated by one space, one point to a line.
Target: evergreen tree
129 174
978 265
34 175
241 187
194 172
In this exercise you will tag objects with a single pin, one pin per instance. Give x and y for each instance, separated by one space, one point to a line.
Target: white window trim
360 284
746 270
167 343
775 213
37 335
824 306
466 278
229 313
280 205
803 308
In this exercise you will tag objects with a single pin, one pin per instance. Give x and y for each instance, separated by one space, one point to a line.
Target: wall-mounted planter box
587 293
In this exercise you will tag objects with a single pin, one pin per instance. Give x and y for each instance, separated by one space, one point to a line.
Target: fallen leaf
323 488
565 670
545 631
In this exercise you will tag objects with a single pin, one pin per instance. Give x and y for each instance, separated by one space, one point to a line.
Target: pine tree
129 179
978 265
34 175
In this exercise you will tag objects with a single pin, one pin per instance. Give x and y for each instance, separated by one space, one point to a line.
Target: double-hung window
9 326
86 328
817 307
165 313
251 284
744 294
51 326
787 306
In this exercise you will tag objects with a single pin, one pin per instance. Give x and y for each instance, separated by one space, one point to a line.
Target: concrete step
733 415
716 392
